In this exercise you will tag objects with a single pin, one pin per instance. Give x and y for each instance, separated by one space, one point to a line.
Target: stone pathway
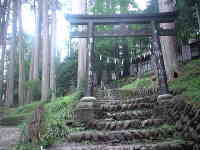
8 137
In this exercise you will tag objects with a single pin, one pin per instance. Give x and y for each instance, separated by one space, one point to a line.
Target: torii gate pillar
159 61
90 82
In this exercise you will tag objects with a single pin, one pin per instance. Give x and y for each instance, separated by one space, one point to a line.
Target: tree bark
10 86
4 17
38 40
45 62
29 96
53 52
168 43
126 65
21 88
81 8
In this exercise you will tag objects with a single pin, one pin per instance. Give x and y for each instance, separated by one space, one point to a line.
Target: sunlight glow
142 3
62 24
28 19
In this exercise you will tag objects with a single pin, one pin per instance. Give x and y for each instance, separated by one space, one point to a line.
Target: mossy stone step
121 136
130 115
160 145
148 99
122 125
125 107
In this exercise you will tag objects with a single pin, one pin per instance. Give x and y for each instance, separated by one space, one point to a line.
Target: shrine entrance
151 29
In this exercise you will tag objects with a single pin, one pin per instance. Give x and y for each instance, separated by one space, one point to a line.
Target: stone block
85 110
164 97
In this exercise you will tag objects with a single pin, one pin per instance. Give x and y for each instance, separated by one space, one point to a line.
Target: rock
194 135
88 99
198 128
9 137
164 97
85 110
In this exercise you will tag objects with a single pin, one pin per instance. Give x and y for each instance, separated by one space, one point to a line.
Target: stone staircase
126 125
107 94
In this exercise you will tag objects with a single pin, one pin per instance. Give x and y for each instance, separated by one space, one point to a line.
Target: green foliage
35 87
57 112
187 24
54 123
27 147
189 81
17 116
145 82
66 76
124 81
29 108
113 6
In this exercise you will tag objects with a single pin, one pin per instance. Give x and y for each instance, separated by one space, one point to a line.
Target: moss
167 126
124 81
144 82
188 84
14 120
54 126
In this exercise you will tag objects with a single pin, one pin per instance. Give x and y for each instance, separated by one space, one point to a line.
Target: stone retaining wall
184 116
142 92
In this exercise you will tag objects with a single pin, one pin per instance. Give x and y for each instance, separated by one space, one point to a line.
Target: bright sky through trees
29 25
142 3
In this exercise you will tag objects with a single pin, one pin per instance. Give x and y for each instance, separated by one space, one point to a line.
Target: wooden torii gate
154 30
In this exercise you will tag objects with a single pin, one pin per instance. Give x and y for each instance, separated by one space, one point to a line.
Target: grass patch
124 81
54 126
16 116
144 82
189 82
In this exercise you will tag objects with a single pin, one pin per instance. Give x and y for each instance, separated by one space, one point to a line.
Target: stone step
121 135
148 99
117 101
130 115
157 145
109 98
107 101
123 125
125 107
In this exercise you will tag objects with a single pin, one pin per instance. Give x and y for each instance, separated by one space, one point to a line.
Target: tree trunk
29 96
45 62
5 15
126 65
169 43
21 59
53 52
197 14
82 47
38 40
10 86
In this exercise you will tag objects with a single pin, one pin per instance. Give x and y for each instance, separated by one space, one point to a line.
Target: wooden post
157 52
89 60
197 14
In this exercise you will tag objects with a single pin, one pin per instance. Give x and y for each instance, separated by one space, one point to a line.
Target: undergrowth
144 82
54 126
188 84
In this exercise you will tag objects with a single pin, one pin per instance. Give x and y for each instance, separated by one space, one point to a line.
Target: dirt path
8 137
